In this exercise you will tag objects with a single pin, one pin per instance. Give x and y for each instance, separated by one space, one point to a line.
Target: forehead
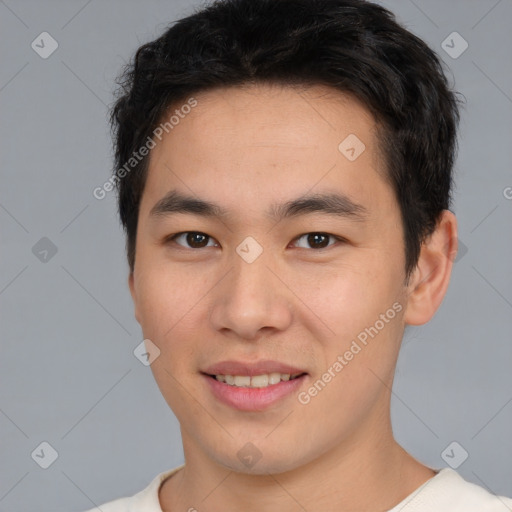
292 116
267 139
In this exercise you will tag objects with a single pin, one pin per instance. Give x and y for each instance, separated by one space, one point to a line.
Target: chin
261 468
250 460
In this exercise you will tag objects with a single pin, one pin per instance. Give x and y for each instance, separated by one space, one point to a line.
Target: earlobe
431 277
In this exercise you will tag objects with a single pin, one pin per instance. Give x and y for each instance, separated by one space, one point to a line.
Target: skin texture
245 148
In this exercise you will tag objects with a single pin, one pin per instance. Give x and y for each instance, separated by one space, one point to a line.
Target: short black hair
354 46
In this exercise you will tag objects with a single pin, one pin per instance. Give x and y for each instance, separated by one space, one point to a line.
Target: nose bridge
250 284
250 259
251 297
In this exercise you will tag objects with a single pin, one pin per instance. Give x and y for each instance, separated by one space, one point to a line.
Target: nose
251 299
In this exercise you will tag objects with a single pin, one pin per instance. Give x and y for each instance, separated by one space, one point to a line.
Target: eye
195 239
199 240
318 240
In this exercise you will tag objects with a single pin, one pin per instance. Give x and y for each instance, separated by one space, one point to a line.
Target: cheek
361 306
164 298
168 306
347 297
356 370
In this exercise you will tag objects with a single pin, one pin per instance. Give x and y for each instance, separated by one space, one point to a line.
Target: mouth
257 381
253 386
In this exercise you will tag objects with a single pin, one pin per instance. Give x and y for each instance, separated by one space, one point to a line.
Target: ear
429 281
133 292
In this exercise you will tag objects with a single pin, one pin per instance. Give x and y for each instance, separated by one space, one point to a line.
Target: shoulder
145 500
118 505
471 496
449 491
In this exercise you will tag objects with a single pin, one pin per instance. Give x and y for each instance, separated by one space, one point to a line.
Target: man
284 170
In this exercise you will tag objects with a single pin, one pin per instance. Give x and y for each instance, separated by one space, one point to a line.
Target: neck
370 471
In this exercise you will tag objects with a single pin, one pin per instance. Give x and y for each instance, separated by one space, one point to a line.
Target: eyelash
172 238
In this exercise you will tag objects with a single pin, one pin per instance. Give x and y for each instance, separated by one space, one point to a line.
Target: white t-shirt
447 491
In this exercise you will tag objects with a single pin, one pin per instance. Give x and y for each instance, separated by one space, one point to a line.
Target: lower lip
253 399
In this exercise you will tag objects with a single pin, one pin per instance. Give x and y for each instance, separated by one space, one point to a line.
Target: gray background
68 373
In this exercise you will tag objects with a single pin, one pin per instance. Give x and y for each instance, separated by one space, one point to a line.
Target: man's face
247 287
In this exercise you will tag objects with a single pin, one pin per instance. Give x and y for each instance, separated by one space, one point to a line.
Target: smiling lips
251 369
252 386
256 375
258 381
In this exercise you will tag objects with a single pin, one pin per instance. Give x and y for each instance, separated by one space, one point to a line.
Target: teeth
242 381
258 381
274 378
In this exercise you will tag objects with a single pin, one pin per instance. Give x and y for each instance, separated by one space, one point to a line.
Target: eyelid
172 237
337 238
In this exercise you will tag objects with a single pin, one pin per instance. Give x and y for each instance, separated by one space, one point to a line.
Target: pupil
313 239
192 239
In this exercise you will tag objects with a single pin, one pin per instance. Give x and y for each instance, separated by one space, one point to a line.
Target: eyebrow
335 204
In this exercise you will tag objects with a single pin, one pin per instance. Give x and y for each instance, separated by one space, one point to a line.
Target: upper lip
251 369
